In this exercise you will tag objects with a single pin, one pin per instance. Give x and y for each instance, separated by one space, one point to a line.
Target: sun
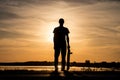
48 34
50 37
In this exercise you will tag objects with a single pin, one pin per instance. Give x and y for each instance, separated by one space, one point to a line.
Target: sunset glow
26 29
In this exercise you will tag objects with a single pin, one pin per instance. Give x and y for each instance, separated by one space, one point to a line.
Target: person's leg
63 52
56 55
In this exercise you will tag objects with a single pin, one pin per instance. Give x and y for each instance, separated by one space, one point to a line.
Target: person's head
61 21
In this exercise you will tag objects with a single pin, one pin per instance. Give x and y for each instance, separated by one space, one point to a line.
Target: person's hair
61 20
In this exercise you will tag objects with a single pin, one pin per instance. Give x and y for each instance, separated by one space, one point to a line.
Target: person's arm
54 38
68 44
54 41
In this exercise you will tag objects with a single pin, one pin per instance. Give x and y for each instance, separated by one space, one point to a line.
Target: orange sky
26 29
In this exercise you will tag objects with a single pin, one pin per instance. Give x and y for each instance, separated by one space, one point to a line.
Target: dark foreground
51 75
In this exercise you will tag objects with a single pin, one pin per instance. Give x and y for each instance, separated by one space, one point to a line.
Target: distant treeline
80 64
29 63
98 65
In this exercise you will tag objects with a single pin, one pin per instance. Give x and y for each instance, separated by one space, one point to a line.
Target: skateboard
68 59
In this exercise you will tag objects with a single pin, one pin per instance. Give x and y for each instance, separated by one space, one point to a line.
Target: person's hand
68 46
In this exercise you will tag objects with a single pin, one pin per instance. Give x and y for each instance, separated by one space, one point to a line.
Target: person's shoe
63 69
56 69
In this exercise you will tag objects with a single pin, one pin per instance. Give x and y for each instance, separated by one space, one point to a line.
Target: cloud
15 9
98 24
26 23
5 15
14 35
18 3
87 2
5 34
17 43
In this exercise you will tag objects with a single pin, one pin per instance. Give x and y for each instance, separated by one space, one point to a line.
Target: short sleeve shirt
60 34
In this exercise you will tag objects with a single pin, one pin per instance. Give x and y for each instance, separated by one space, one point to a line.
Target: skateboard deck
68 59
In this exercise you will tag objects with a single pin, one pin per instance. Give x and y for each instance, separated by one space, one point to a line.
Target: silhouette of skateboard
68 59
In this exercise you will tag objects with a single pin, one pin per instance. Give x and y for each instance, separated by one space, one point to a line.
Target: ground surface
51 75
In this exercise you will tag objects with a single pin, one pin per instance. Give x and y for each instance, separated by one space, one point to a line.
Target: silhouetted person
61 41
